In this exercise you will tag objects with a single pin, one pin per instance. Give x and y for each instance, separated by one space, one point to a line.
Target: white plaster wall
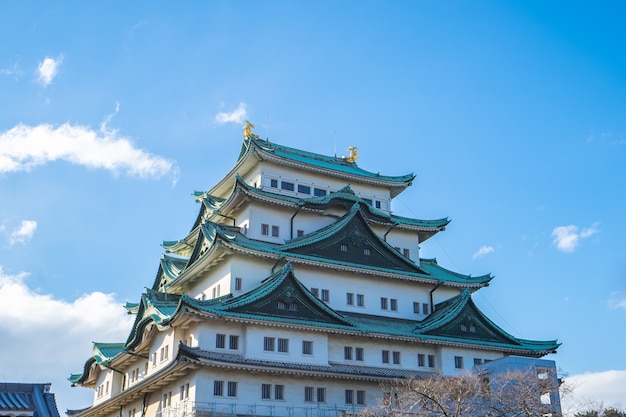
161 339
254 337
447 355
217 275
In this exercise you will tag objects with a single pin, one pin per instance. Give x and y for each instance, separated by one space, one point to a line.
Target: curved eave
445 275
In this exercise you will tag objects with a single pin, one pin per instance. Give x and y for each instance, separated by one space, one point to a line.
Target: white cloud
616 301
25 147
592 389
484 250
46 339
48 69
238 115
567 238
23 233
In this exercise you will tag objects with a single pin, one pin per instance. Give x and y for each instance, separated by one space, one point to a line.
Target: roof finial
247 131
353 155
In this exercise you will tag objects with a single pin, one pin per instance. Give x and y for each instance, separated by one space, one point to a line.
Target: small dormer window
463 327
367 251
343 247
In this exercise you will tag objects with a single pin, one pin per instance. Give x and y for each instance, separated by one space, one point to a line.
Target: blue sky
511 114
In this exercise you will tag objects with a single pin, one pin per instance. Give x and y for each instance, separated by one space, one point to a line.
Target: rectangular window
273 183
343 247
406 252
268 344
360 300
325 295
394 304
421 359
426 308
154 356
283 345
233 342
367 251
358 354
377 204
349 396
321 395
285 185
383 303
220 341
318 192
431 361
347 353
350 298
477 361
307 347
232 389
266 391
308 394
360 397
304 189
265 229
279 392
396 358
237 284
416 307
218 388
315 292
299 233
275 231
184 392
385 356
458 362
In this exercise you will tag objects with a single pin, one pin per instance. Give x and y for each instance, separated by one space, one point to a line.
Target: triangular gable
282 295
459 318
351 240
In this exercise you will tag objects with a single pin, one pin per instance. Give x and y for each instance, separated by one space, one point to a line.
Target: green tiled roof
332 163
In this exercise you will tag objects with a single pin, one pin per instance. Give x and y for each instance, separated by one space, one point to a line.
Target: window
304 189
283 345
164 353
275 231
299 233
321 395
396 358
218 388
394 304
458 362
472 328
307 347
220 341
318 192
349 396
416 307
367 251
237 284
279 392
463 327
383 303
273 183
184 392
131 413
477 361
268 344
426 308
368 201
350 298
343 247
266 391
377 204
154 356
358 354
167 400
385 356
421 359
265 229
325 295
233 342
360 300
347 353
285 185
360 397
232 389
431 361
406 252
315 292
308 394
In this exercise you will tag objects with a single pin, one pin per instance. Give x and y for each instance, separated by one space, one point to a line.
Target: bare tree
505 394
